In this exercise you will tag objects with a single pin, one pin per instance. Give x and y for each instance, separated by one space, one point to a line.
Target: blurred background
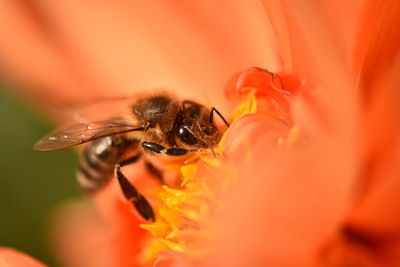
32 183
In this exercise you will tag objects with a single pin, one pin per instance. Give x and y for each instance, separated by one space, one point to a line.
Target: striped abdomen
97 162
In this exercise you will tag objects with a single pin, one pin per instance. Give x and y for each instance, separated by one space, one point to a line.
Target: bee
157 124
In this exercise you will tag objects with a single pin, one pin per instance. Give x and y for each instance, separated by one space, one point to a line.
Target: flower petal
32 59
12 258
378 62
124 47
288 199
378 210
317 57
81 237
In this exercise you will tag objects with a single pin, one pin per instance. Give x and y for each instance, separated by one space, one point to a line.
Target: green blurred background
32 183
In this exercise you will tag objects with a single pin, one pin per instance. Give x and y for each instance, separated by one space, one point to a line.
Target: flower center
186 215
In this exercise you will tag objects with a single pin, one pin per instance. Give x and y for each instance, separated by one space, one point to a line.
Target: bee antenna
219 114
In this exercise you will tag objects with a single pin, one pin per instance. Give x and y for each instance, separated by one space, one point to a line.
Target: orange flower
308 178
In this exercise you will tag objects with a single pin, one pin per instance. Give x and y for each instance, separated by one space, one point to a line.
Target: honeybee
158 124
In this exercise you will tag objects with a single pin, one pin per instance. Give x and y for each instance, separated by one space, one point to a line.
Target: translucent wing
79 133
95 110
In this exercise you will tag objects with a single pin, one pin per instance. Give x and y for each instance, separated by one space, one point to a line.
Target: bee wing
79 133
98 109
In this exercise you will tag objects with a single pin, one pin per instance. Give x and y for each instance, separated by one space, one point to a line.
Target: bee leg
157 148
130 192
219 114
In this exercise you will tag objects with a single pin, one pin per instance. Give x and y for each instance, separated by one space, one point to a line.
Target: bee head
195 130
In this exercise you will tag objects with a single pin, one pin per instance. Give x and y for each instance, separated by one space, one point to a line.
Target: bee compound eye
186 136
184 133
